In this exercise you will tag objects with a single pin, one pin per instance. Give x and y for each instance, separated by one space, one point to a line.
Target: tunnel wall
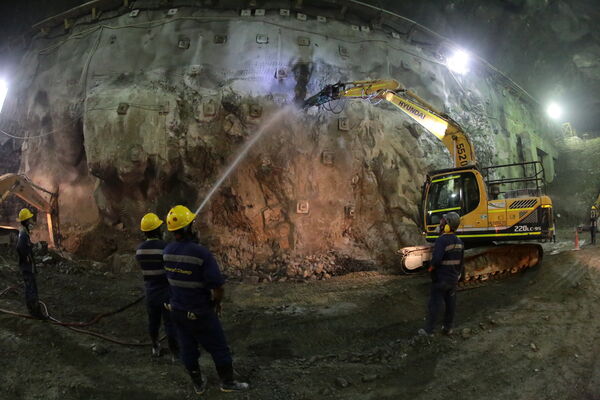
141 113
577 184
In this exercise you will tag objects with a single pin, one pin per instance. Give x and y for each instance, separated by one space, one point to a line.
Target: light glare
3 91
554 111
459 62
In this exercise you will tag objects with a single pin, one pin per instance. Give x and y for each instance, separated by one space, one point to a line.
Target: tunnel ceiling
551 48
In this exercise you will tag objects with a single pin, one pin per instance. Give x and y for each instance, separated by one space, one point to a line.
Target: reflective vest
149 256
192 272
448 258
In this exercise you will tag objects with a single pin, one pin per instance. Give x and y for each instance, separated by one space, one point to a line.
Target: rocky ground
532 336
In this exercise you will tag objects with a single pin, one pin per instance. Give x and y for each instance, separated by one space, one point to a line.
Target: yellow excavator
594 215
31 193
492 209
595 211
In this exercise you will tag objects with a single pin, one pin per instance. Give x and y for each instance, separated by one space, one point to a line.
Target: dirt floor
531 336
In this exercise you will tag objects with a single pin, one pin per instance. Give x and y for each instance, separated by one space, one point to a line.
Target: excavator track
482 264
497 262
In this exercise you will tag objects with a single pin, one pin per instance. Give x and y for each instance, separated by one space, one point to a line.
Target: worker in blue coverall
149 256
27 263
447 267
196 294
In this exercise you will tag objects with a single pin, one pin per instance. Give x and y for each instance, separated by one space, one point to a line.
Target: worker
593 224
149 256
446 267
196 294
27 263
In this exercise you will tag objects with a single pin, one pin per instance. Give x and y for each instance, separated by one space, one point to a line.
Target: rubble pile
300 269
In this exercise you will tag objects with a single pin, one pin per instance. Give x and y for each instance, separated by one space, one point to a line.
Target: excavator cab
515 208
458 190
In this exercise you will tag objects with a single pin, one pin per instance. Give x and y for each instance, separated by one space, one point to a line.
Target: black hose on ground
93 321
72 325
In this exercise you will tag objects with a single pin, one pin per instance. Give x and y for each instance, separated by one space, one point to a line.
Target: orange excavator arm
440 125
22 187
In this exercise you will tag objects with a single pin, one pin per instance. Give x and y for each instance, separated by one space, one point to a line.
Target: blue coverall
28 271
149 256
447 263
193 272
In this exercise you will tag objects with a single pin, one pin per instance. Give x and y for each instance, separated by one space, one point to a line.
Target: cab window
471 192
454 192
443 197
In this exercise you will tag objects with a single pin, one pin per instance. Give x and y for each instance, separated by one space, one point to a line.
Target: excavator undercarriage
481 263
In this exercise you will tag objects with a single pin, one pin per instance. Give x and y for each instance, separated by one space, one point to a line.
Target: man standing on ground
196 293
447 267
27 263
149 256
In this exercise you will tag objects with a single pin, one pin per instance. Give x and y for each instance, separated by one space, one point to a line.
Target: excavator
31 193
493 208
595 214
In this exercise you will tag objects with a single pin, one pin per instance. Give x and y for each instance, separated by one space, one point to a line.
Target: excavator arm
22 187
426 115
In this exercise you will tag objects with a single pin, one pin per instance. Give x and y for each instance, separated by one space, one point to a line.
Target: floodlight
554 111
459 62
3 91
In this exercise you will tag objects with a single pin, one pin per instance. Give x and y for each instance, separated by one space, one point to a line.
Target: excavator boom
419 110
22 187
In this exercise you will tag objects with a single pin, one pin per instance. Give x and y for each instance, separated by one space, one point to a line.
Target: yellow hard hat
593 207
24 215
179 217
150 222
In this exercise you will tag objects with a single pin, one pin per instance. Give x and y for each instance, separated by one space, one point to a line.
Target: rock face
577 185
142 113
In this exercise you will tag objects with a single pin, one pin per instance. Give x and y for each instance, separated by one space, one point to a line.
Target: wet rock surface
160 126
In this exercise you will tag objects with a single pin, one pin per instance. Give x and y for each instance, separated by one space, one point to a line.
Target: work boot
156 349
228 384
198 381
35 310
234 386
447 331
423 332
174 348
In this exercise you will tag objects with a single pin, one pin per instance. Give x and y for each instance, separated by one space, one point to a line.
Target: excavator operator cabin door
455 191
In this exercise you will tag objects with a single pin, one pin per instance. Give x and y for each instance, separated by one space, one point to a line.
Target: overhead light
459 62
3 91
554 111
